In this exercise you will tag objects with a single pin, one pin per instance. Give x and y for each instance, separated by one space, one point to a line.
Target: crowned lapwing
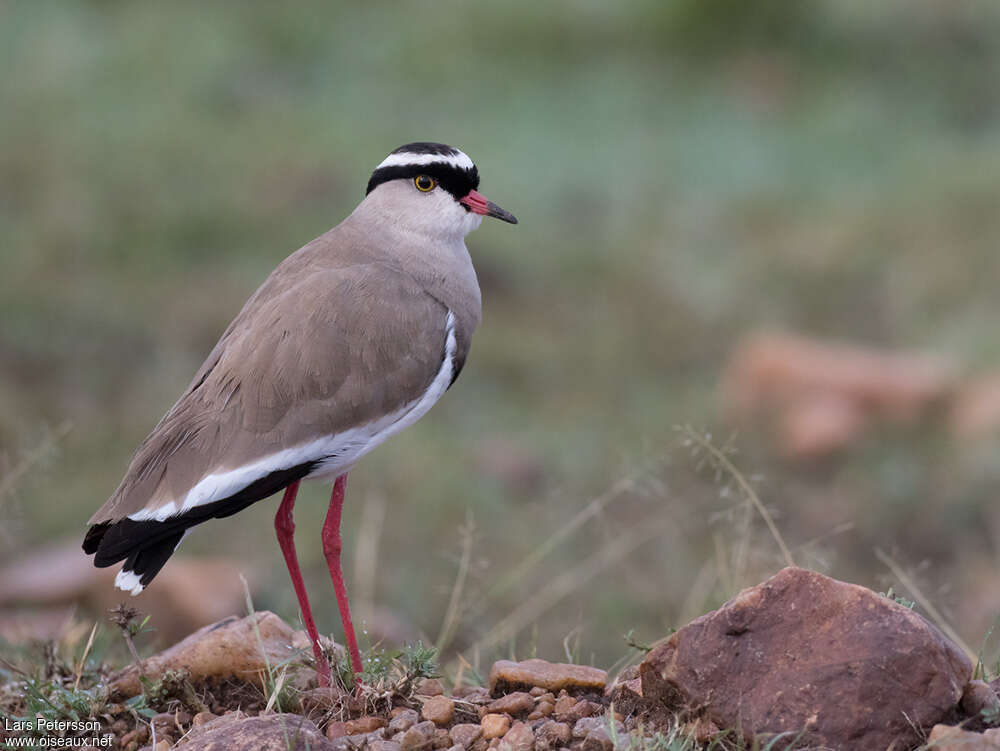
350 339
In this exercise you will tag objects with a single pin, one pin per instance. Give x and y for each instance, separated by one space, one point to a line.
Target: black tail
147 544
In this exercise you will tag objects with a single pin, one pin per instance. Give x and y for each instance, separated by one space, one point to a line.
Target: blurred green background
684 172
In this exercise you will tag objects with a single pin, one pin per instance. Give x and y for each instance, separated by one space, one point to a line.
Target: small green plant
898 599
173 685
991 716
389 675
639 646
126 618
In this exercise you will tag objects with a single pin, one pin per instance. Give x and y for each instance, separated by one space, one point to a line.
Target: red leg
331 549
285 528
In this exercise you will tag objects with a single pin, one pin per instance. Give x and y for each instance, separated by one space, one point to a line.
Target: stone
582 708
626 695
564 704
495 725
336 729
506 675
403 721
543 708
824 395
164 724
438 709
948 738
518 738
354 742
514 703
477 695
51 580
274 732
553 735
383 745
975 408
321 700
466 733
363 725
803 653
420 736
441 739
229 648
596 733
430 687
979 700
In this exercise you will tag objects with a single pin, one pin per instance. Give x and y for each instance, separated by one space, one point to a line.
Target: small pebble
163 723
430 687
553 735
583 708
201 718
495 726
466 733
518 738
336 729
514 703
384 746
597 740
366 724
438 709
441 739
564 704
419 736
478 695
404 721
536 691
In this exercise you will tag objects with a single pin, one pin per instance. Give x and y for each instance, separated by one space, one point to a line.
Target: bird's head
431 188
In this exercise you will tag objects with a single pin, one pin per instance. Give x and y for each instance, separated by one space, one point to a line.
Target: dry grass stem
925 603
570 581
591 510
451 616
722 461
33 457
83 659
366 552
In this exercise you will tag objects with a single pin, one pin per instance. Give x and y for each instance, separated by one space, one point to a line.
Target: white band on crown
404 158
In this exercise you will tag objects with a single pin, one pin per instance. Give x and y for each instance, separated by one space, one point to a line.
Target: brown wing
339 347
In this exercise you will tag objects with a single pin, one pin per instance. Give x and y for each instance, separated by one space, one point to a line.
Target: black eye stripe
455 180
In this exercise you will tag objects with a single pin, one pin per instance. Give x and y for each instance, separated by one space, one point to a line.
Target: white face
435 212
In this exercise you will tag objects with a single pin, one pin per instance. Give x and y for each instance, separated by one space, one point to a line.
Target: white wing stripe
336 452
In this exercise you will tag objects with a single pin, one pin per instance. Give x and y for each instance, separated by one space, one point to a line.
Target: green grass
683 173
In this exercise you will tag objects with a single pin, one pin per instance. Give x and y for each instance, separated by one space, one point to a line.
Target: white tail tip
127 581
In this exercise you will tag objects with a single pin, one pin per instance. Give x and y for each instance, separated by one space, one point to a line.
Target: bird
351 339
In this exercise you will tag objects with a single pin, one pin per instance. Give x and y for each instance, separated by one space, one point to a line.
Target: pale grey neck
439 261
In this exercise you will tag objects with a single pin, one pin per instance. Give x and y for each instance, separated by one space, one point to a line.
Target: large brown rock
834 663
275 732
233 647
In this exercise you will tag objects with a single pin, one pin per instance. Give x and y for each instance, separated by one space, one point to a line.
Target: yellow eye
425 183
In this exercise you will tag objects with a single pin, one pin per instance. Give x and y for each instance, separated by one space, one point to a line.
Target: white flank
405 158
337 453
127 581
